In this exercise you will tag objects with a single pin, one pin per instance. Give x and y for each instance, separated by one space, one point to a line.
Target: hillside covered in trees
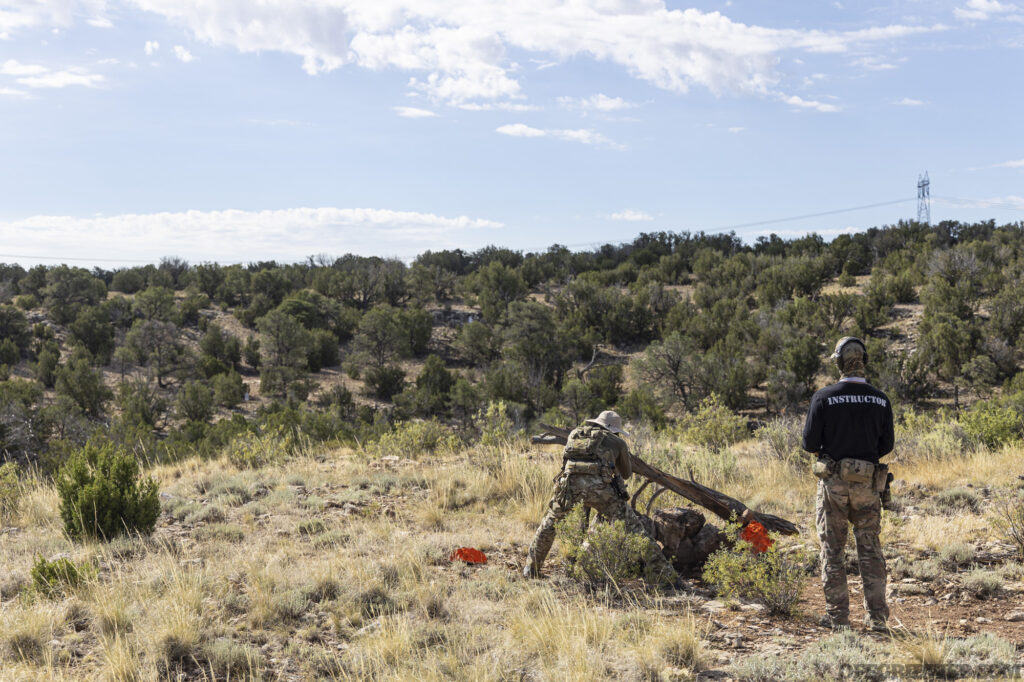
177 358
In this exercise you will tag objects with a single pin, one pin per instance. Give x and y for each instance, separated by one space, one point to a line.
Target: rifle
714 501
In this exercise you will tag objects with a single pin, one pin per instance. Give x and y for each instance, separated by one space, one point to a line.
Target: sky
237 131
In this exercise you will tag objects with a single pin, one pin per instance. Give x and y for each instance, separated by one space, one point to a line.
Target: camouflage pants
593 492
840 503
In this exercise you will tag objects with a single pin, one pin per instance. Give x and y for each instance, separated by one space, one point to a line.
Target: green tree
154 303
323 350
83 384
157 345
477 344
68 290
128 281
92 329
228 389
285 348
195 402
141 404
47 361
219 351
14 326
382 337
495 286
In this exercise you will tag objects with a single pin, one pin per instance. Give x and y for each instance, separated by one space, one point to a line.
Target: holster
880 480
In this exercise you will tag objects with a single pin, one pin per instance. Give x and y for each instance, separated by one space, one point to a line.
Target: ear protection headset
837 356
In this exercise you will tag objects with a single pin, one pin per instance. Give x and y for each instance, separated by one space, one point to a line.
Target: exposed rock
1015 616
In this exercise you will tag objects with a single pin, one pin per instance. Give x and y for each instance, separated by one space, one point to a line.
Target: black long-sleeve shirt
849 419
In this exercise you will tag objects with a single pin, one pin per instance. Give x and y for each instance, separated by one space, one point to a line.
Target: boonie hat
609 420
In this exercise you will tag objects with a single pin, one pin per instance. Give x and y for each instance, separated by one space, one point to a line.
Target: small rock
963 621
982 619
1015 616
714 605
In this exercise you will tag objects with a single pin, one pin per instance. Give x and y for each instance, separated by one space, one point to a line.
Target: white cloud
413 112
598 102
458 51
632 216
498 106
582 135
235 235
1019 163
874 63
910 102
18 16
62 79
15 68
521 130
151 47
801 103
980 10
100 22
736 129
182 54
13 92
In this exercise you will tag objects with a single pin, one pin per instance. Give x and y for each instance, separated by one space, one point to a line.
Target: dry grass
371 595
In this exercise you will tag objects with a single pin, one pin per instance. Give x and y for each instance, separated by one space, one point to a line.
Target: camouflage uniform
838 504
589 481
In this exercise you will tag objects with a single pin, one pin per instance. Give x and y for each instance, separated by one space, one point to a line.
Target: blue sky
233 131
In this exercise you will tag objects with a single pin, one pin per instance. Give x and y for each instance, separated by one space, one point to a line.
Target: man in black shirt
850 427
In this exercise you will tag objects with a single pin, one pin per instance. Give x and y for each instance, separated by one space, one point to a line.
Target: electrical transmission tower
924 200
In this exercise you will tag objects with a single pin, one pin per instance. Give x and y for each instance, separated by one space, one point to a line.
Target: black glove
619 486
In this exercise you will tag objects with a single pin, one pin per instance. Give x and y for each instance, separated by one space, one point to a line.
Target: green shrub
10 491
252 451
842 657
195 402
770 578
927 570
989 656
230 660
982 583
956 501
220 532
228 389
312 527
713 425
992 425
102 494
1008 519
780 438
384 382
642 405
412 439
496 426
955 554
58 577
606 554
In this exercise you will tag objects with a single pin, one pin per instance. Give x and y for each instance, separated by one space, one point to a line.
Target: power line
724 228
75 258
811 215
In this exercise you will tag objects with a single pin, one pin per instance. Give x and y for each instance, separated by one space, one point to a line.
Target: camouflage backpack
585 445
